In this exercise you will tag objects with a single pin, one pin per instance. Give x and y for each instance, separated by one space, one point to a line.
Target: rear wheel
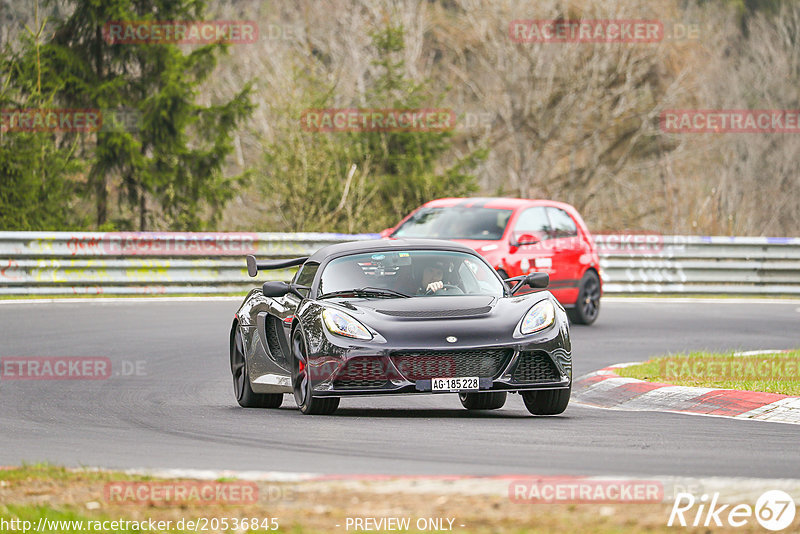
241 379
587 307
301 382
491 400
547 402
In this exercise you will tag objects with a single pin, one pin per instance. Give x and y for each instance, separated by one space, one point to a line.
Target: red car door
567 251
530 247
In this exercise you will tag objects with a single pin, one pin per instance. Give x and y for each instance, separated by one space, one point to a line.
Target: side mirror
386 232
275 289
526 239
252 265
538 280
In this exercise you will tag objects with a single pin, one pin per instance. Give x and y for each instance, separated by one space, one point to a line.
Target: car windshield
394 274
456 223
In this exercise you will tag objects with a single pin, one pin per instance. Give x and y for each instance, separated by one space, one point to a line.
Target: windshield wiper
366 292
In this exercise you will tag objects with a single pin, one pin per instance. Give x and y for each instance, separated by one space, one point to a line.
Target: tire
301 383
491 400
587 307
547 402
242 389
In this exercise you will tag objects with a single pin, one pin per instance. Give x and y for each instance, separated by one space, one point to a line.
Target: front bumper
424 387
545 364
412 352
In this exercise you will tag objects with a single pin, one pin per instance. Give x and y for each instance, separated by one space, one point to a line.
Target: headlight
542 315
342 324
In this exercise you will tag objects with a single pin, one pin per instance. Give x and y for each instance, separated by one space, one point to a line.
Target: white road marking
214 474
759 352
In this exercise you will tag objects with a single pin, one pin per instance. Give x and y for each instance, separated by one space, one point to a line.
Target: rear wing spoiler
253 265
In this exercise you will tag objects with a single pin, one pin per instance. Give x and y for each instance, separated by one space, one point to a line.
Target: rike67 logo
774 510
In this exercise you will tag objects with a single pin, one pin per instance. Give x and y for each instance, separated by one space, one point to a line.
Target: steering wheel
445 287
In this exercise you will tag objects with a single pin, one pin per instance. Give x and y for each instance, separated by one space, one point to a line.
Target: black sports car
399 317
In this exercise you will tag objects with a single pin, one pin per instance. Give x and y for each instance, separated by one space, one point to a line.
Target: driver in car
427 278
432 278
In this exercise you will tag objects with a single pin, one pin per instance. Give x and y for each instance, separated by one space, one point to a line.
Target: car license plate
454 384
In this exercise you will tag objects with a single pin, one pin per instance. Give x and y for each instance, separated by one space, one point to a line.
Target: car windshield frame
366 269
452 217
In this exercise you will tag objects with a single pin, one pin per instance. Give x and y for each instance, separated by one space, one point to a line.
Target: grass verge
42 492
771 373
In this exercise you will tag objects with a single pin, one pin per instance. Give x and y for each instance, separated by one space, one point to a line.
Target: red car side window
563 225
534 221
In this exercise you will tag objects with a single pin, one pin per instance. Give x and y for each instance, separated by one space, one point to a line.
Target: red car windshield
456 223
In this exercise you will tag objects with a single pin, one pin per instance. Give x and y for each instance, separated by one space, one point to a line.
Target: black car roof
376 245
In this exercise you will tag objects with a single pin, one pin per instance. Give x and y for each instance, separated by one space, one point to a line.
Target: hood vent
435 314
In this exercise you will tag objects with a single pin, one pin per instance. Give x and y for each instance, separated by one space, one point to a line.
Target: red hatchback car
519 236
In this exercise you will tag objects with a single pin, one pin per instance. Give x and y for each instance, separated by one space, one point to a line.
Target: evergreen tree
38 170
169 165
406 161
366 180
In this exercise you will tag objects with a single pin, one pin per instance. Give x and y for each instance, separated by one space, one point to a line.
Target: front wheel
241 380
587 307
547 402
491 400
301 382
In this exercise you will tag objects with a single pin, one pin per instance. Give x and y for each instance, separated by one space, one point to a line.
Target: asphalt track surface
179 412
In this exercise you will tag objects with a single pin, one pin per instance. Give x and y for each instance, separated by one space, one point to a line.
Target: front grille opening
536 366
361 373
424 365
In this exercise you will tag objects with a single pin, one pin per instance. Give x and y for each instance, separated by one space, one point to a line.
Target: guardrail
74 263
701 265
